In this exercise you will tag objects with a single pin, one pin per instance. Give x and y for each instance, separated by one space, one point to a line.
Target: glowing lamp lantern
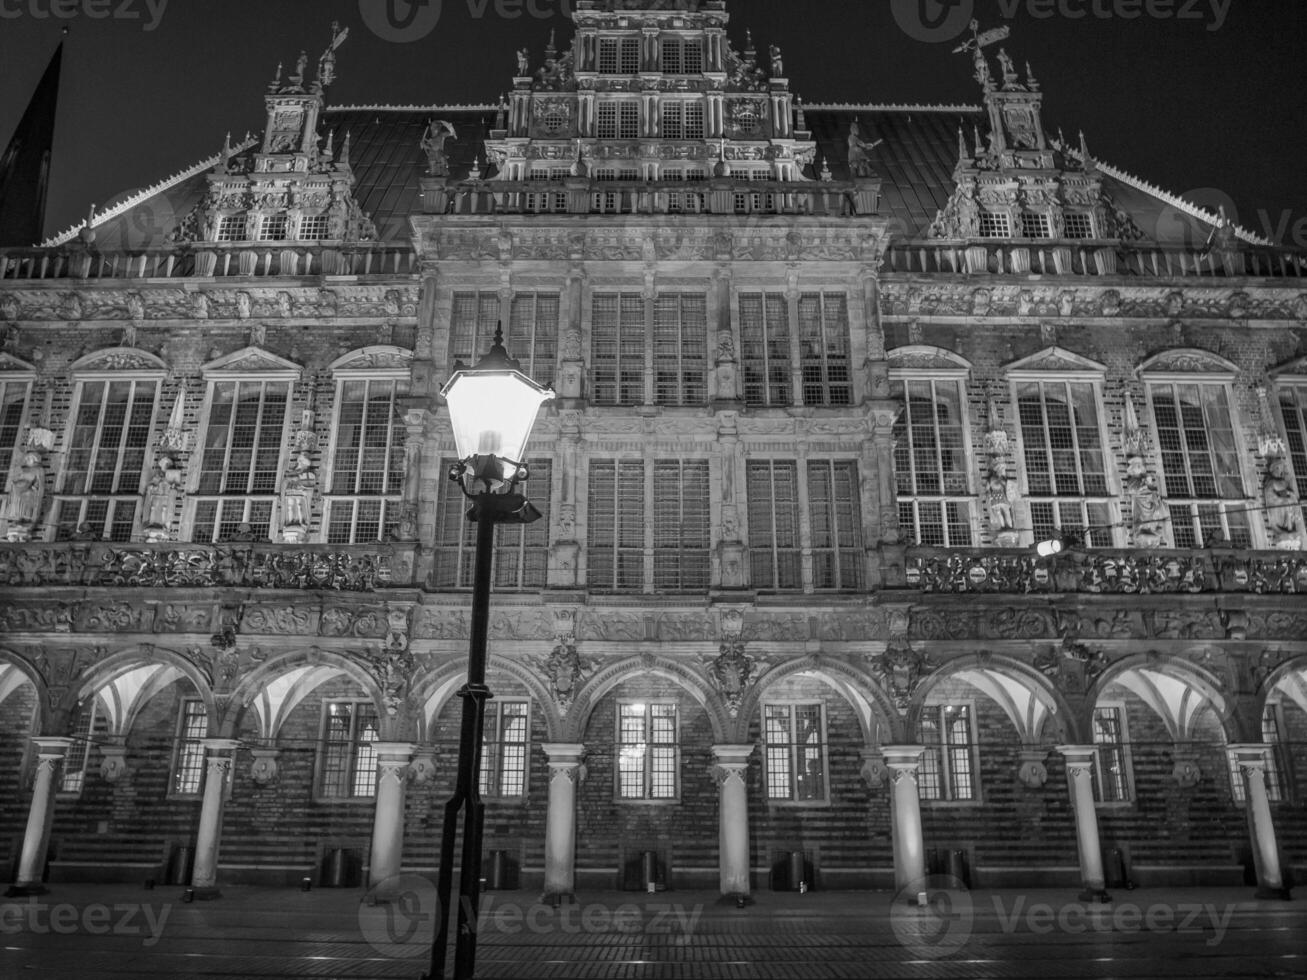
493 406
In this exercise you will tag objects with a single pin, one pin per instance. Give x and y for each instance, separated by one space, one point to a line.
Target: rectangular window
472 325
504 758
367 467
188 760
795 745
240 465
619 56
765 356
1293 409
948 765
13 410
533 335
618 349
824 346
1035 224
682 120
675 543
274 228
313 227
648 751
1277 789
1079 224
1201 476
73 778
775 558
521 550
1111 763
232 228
105 462
834 506
1066 476
673 62
930 463
619 120
348 766
680 350
995 224
681 532
616 526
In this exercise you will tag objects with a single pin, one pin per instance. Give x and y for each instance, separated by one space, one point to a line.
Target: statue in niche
23 503
297 492
160 496
1149 510
433 144
1283 505
1000 495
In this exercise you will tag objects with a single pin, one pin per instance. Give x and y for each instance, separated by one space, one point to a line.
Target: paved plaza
125 931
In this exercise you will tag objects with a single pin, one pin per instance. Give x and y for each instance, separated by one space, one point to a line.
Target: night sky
1216 114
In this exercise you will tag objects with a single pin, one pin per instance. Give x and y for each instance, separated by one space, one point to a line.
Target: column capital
52 747
732 756
1250 755
903 758
215 745
1077 754
394 751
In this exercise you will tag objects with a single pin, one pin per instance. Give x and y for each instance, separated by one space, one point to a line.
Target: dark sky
1212 112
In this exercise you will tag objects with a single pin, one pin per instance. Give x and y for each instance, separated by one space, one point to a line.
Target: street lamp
492 408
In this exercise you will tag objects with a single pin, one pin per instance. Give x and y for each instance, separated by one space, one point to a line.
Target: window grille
233 228
824 347
995 224
274 228
521 550
1111 770
930 463
680 350
648 759
834 506
1079 224
241 459
506 752
618 349
314 227
348 768
765 354
775 556
188 762
367 468
948 764
795 745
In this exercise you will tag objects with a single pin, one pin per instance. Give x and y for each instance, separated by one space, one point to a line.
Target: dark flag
25 166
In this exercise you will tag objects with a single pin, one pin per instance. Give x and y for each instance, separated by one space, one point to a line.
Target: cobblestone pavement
124 931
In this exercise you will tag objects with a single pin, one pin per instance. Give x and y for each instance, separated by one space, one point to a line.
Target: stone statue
777 63
297 492
523 63
433 144
1009 69
1283 505
23 503
859 161
159 498
1149 511
1000 494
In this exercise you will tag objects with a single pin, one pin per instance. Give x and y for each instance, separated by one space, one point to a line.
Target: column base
23 891
1097 896
557 899
739 900
1274 894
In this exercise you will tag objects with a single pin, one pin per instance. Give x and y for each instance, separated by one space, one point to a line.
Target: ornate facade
827 376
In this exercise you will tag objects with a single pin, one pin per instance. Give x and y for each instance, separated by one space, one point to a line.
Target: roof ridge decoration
448 107
1169 198
94 219
890 107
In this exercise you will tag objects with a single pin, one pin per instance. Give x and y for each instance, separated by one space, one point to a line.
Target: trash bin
1114 869
498 878
649 870
338 869
799 872
179 865
958 868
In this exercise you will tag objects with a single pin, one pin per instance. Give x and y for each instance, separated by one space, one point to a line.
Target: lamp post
492 408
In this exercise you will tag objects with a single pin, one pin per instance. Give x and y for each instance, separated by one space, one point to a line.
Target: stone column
1080 775
387 855
565 771
903 762
50 753
218 761
730 765
1252 762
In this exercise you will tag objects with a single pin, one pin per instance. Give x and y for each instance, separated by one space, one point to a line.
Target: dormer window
682 56
1079 224
619 120
995 224
555 120
746 120
313 228
1035 224
232 228
619 56
274 228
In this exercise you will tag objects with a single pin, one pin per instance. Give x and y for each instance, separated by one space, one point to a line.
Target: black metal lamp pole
490 482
